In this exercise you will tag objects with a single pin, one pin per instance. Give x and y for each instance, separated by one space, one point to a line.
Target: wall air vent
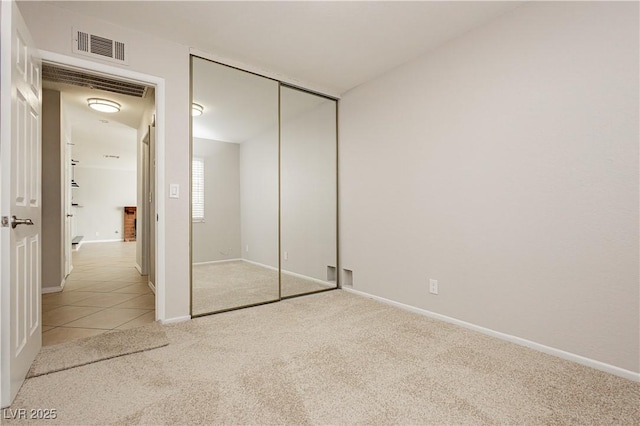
99 46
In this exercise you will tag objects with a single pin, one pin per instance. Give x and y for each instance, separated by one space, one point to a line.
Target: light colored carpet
85 351
226 285
332 358
293 285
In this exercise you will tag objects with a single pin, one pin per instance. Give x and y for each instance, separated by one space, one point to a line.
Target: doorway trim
159 84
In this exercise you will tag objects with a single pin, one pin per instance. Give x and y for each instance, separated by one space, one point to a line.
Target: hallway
103 292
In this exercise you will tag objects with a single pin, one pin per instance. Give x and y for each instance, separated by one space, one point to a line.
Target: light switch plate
174 190
433 286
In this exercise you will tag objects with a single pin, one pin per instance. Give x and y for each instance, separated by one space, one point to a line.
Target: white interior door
20 121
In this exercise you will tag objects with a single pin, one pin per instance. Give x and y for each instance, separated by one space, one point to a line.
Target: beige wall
307 184
259 196
505 165
52 192
102 195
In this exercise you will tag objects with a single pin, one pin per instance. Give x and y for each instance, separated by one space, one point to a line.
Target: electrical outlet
97 234
433 286
286 255
247 248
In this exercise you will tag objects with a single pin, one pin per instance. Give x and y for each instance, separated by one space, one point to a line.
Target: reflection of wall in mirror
308 188
241 196
259 198
218 236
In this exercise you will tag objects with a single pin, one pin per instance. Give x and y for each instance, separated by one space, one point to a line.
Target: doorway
106 192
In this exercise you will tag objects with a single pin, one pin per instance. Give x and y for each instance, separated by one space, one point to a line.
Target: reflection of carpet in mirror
225 285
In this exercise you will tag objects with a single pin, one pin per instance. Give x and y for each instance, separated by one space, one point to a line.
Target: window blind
197 190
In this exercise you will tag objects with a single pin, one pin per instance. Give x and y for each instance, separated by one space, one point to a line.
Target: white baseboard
152 286
176 319
273 268
598 365
293 274
55 288
212 262
327 284
100 241
139 269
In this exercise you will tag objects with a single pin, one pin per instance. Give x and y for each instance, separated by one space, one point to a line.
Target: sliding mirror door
234 188
308 191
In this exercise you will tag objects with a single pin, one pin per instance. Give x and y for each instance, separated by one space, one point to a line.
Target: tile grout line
112 273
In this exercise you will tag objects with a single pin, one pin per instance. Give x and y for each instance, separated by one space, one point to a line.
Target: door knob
15 221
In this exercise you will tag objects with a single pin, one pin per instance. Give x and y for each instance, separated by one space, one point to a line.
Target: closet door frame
281 84
337 216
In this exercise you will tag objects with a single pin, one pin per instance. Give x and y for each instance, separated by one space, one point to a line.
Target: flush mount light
103 105
196 109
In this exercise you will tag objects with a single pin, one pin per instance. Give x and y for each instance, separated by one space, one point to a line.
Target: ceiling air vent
56 74
99 47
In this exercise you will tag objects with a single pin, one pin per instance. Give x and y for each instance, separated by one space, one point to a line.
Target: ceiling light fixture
103 105
196 109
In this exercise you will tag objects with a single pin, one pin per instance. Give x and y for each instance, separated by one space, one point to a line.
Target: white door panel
20 327
20 249
35 290
34 158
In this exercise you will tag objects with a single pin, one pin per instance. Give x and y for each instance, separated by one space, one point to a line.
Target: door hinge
5 221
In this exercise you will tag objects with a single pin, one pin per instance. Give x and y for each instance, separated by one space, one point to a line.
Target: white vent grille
83 41
119 52
99 46
74 77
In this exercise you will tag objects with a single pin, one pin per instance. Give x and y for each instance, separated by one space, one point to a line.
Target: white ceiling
96 134
330 45
239 106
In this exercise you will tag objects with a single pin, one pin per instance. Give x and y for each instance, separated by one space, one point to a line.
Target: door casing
159 84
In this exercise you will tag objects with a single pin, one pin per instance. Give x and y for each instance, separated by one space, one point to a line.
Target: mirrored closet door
234 238
264 190
308 214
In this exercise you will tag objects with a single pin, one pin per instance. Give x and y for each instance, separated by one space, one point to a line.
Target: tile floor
103 292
